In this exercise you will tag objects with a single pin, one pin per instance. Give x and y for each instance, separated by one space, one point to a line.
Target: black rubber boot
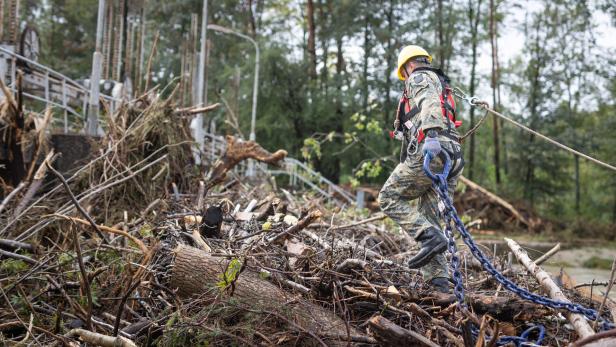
433 242
440 284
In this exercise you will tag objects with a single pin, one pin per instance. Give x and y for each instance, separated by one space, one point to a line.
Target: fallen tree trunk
495 199
194 272
578 321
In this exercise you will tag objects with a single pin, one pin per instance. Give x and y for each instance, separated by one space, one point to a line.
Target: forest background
328 90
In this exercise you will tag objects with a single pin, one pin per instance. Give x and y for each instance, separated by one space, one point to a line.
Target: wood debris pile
139 247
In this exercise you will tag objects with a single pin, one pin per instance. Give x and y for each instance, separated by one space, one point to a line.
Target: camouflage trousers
408 198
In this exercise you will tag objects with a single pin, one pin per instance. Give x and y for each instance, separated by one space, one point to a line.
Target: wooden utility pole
494 83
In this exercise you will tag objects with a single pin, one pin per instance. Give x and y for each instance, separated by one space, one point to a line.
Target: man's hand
431 145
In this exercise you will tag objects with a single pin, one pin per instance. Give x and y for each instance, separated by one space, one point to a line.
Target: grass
595 262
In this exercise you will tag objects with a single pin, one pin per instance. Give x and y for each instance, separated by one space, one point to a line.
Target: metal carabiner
472 100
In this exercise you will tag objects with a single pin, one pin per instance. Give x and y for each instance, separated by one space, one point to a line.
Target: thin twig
548 254
18 257
607 292
149 64
139 243
116 326
76 203
14 192
84 277
369 220
8 302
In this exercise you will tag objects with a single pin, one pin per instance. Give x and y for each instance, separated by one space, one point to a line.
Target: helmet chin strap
406 81
406 71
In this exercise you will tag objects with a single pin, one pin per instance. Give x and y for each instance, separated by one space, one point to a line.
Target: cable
474 102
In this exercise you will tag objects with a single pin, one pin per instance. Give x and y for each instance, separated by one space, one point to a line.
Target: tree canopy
328 90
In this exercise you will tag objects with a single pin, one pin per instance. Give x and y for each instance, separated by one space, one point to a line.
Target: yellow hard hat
408 52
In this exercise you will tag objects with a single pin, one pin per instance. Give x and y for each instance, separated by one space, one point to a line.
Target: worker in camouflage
426 121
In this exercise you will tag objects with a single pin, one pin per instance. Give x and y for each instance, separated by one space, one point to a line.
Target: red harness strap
448 105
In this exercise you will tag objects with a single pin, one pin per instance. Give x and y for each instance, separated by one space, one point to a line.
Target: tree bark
614 205
194 272
324 44
387 105
365 89
494 83
312 54
440 33
473 19
388 333
577 184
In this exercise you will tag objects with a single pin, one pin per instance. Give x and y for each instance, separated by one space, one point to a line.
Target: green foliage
595 262
13 266
311 147
369 169
146 230
18 303
230 274
83 299
66 257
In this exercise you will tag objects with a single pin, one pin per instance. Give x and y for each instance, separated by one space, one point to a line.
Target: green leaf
230 274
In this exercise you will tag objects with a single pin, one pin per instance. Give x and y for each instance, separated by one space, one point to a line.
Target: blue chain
451 217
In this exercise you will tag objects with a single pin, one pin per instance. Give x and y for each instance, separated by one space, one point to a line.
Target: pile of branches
138 246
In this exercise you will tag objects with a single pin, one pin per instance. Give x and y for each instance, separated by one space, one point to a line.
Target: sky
511 42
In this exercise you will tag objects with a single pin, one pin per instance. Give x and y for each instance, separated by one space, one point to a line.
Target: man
426 119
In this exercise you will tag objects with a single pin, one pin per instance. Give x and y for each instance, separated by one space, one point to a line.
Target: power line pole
255 85
197 123
92 120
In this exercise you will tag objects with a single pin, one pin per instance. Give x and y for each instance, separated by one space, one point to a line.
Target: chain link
451 218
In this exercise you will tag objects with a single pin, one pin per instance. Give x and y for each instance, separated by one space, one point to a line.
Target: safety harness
407 111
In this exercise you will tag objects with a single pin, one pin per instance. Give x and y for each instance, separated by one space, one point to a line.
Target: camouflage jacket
423 88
